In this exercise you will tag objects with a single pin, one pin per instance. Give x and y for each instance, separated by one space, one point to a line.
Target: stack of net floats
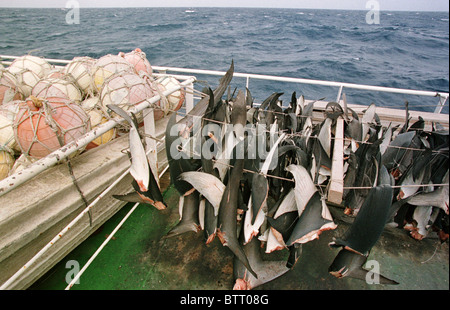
43 107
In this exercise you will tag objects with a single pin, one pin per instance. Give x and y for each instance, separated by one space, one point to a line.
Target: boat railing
442 96
9 183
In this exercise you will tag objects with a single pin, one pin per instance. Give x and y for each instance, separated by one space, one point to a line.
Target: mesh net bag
28 70
43 126
162 106
8 143
80 70
38 65
8 88
126 90
8 112
139 61
108 66
56 73
26 80
57 88
175 99
97 116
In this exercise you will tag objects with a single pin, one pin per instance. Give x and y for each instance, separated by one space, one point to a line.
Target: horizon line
221 7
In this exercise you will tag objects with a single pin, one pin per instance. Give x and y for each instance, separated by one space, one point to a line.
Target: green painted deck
138 259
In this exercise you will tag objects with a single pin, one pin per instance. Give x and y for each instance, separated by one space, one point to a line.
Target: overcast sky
388 5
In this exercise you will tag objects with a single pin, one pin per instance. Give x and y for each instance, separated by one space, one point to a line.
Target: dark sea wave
406 50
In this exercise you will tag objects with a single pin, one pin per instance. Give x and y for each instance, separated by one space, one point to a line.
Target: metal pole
312 82
286 79
189 97
339 94
78 275
440 106
67 228
60 235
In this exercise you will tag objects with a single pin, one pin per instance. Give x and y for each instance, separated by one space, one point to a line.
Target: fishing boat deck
137 257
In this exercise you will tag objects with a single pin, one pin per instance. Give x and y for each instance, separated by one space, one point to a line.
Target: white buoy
57 88
6 163
97 116
8 87
177 98
125 90
108 66
8 112
28 70
80 70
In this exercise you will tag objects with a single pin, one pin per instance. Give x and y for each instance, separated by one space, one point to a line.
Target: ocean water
405 50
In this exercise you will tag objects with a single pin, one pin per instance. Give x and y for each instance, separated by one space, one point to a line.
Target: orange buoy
139 61
43 126
8 88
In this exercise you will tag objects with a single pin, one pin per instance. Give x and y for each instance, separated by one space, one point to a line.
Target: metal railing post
189 97
150 131
339 94
440 106
247 84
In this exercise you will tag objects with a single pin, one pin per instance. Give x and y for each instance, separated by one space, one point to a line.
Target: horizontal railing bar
308 81
48 59
285 79
62 61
